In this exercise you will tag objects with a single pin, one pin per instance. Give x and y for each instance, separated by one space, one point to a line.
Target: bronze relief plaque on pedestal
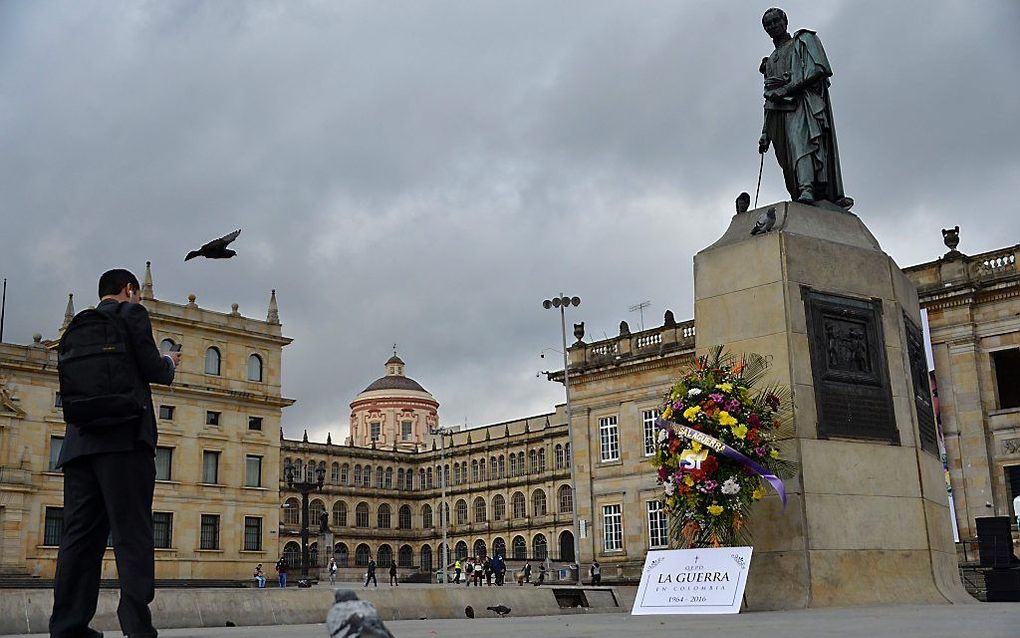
851 377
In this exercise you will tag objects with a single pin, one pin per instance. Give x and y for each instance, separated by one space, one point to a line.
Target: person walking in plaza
456 572
332 571
260 576
596 572
469 572
393 574
370 575
527 571
499 566
106 360
281 571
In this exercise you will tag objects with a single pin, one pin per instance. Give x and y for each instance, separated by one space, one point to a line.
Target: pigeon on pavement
353 618
500 610
469 611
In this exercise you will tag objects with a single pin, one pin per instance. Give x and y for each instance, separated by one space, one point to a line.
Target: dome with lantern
394 411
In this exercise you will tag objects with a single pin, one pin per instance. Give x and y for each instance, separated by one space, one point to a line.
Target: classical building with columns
216 502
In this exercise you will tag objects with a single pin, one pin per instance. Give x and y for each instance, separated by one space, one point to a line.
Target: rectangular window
609 436
56 443
210 534
210 467
57 402
1013 483
612 527
405 430
376 429
166 412
162 529
252 534
253 471
1007 377
658 527
54 526
255 423
164 463
212 418
648 420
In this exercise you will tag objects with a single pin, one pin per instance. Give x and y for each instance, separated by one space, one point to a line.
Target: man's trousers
106 493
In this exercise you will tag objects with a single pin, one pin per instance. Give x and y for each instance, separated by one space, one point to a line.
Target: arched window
559 456
400 478
426 558
462 512
446 474
292 554
492 468
502 467
334 474
498 507
513 465
405 557
383 517
212 361
422 483
520 462
541 460
499 547
538 503
380 476
254 367
361 515
519 505
409 479
366 478
345 474
480 510
404 517
361 555
299 469
566 498
445 515
389 478
428 479
340 514
539 547
482 474
292 512
426 516
479 548
520 548
532 461
313 554
165 345
357 476
474 470
460 551
315 509
341 554
384 556
566 455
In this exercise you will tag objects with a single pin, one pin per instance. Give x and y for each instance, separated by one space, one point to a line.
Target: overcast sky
426 173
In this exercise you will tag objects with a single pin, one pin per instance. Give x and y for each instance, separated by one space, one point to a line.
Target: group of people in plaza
480 568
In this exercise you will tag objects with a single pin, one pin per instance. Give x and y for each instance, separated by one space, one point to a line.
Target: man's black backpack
99 380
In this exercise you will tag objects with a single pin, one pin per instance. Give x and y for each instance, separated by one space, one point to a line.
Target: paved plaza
994 620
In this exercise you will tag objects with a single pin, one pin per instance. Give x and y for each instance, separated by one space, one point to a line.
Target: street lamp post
305 486
444 551
562 302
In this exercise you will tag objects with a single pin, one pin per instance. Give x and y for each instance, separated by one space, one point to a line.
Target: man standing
596 572
332 571
456 572
798 114
107 360
281 571
370 576
393 574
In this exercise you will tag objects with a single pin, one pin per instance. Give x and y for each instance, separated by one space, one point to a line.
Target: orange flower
710 408
674 445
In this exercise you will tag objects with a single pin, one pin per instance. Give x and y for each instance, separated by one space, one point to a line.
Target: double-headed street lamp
304 486
562 302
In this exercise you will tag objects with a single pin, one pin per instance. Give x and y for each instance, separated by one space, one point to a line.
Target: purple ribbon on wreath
710 441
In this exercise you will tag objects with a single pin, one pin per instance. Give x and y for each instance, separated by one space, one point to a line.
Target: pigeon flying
500 610
217 248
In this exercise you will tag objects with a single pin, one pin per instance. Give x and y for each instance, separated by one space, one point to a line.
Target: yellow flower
692 412
688 481
715 509
725 387
725 418
696 446
774 453
739 431
758 493
668 412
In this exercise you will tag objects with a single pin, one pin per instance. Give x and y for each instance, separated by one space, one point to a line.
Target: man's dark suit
109 477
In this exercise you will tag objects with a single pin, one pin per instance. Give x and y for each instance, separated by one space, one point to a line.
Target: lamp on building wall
304 487
562 302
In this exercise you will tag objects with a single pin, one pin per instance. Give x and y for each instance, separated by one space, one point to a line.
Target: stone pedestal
868 516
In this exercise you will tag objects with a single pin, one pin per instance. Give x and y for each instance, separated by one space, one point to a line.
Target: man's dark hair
113 281
775 10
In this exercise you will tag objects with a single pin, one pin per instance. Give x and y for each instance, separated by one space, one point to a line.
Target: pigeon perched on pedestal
217 248
353 618
500 610
765 222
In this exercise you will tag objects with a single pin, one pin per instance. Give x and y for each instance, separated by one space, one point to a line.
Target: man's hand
763 144
175 357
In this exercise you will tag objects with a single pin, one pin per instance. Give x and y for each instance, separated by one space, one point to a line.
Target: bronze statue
798 114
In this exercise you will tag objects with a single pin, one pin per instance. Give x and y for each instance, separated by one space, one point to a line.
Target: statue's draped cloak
804 126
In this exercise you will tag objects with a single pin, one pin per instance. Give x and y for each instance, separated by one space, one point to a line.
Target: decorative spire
329 439
304 437
68 312
147 282
273 316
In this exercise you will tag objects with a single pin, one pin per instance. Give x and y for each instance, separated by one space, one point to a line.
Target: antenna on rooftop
640 308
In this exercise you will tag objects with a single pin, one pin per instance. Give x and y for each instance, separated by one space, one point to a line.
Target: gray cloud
427 173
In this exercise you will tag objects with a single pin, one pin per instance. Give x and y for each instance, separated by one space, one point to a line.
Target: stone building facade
973 308
216 502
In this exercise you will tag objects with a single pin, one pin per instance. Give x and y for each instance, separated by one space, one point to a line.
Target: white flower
693 392
730 486
663 435
669 488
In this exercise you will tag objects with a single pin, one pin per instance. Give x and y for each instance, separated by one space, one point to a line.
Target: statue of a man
798 114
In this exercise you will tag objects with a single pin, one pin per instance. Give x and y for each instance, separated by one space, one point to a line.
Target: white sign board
693 581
